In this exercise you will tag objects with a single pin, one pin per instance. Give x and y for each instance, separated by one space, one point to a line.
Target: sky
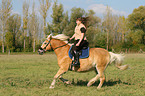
118 7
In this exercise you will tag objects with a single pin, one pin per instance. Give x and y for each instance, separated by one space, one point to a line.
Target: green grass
32 74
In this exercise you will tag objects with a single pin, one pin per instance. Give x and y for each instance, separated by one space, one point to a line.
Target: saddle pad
85 53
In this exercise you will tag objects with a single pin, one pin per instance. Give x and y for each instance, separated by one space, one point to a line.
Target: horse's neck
60 51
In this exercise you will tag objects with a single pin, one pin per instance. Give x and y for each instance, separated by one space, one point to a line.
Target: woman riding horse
98 60
80 39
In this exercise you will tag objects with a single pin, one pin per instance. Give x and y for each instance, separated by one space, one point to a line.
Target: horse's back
99 51
100 55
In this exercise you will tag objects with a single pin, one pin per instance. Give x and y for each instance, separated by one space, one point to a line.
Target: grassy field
32 74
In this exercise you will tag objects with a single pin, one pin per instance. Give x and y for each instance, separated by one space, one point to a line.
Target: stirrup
71 66
76 64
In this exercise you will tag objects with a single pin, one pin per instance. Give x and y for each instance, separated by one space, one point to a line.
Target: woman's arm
72 37
82 36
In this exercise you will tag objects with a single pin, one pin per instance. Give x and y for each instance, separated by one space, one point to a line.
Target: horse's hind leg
99 75
60 72
92 81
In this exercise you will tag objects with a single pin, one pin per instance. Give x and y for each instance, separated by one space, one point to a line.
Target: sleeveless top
78 31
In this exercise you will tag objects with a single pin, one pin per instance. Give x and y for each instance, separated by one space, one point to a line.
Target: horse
98 59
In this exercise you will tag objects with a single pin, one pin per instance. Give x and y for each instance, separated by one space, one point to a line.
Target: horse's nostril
40 48
41 51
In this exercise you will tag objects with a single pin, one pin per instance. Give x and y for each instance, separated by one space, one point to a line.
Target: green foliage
109 32
13 26
9 41
137 21
137 18
122 27
100 40
5 12
28 44
25 14
93 19
91 34
135 36
122 46
59 19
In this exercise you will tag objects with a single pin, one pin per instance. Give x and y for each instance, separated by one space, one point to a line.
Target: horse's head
46 45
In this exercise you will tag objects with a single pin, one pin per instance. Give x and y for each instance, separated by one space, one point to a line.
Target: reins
54 48
59 46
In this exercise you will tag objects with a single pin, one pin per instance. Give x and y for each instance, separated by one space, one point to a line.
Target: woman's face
78 22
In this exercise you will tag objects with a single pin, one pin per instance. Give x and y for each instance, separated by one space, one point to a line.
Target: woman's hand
70 39
78 44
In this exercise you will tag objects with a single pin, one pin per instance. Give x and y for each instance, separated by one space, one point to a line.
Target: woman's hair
84 20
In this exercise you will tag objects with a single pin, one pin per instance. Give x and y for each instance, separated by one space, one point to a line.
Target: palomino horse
98 59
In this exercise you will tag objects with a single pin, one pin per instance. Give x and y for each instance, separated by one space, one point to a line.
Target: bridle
51 45
48 44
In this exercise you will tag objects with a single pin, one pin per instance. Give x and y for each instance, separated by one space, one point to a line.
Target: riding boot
74 57
77 63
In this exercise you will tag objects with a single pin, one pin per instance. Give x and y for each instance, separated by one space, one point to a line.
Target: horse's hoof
68 82
88 85
51 87
98 87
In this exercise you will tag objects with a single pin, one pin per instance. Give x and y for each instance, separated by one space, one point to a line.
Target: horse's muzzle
41 51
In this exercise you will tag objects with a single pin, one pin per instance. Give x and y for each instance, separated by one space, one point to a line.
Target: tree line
26 33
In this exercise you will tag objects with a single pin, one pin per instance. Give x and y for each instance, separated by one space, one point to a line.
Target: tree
107 25
110 27
9 41
13 26
44 7
93 19
93 28
64 22
122 27
34 27
135 36
5 12
57 17
136 21
91 34
25 20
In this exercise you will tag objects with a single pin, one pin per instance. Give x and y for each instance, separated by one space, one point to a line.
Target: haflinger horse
98 59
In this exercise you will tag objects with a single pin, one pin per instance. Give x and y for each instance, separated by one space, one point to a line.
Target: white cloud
100 10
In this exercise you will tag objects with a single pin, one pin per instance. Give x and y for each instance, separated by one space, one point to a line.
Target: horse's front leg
60 72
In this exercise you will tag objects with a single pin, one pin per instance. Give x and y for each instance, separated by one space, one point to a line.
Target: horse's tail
118 60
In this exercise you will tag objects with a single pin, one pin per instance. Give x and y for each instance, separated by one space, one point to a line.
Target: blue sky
118 7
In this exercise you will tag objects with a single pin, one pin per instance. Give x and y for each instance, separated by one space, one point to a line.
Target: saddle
84 53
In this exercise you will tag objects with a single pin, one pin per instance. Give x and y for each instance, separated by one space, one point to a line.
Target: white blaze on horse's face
46 44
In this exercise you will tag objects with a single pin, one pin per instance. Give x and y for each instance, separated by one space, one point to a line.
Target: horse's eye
45 43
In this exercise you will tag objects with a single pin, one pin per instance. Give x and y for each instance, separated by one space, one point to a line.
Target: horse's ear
49 36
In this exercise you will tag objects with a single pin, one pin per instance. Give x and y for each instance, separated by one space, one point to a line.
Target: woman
80 39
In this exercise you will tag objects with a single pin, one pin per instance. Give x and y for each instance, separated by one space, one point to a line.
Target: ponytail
84 20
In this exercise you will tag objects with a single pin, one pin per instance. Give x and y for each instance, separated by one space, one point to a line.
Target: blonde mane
61 37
